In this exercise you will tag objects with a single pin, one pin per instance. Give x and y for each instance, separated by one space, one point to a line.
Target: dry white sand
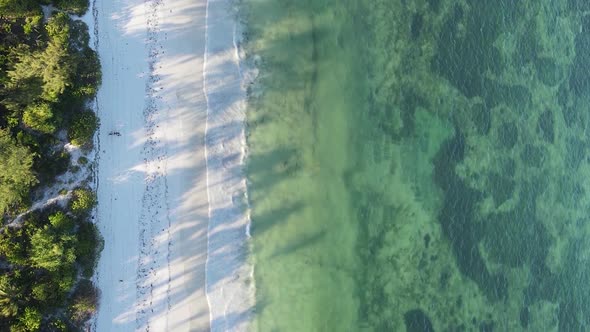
170 187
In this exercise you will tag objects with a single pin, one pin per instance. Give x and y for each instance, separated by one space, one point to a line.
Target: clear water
420 165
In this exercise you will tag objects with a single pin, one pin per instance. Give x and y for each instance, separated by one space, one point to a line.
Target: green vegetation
15 8
16 176
84 200
83 126
47 74
43 258
39 117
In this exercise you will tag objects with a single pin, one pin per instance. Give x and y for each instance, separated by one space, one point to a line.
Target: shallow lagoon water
419 165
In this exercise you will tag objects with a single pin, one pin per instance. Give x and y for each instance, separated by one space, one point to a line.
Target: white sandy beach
172 195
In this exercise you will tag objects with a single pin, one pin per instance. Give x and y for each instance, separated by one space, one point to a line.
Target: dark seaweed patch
486 327
507 135
426 240
563 96
577 192
515 96
457 218
502 188
543 285
532 155
509 168
547 71
528 46
579 78
416 25
443 279
482 118
417 321
516 238
571 116
578 5
463 59
575 153
546 126
434 5
574 302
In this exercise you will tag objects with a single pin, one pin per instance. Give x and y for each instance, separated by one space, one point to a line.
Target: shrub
16 176
30 320
83 303
57 324
10 295
78 7
32 23
82 129
88 75
52 164
88 248
52 251
13 245
45 292
16 8
39 117
61 222
84 200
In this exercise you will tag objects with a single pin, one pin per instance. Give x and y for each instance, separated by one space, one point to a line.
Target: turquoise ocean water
420 165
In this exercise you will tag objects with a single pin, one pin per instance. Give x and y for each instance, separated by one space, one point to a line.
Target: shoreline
228 267
157 211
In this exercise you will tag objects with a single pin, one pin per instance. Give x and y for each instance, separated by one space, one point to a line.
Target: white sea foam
229 276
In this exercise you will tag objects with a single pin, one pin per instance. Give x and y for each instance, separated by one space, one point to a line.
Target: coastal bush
16 176
45 292
39 117
10 296
49 70
51 250
83 303
89 246
13 245
61 222
45 256
78 7
84 200
32 23
88 74
83 126
50 164
30 320
59 64
17 8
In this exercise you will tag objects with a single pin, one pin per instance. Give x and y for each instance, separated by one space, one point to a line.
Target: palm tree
9 297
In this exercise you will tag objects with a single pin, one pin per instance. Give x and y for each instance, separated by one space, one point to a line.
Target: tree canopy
14 8
53 66
51 248
16 176
48 73
39 117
